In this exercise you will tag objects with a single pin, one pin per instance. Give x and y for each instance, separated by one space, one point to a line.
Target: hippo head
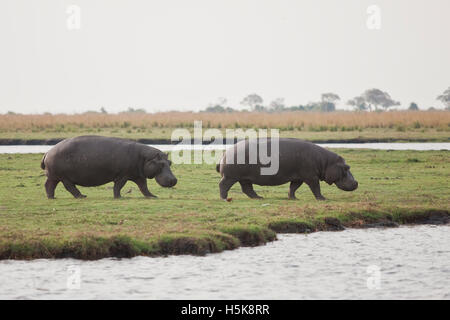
159 168
339 174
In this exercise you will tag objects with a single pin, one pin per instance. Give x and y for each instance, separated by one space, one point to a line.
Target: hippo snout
166 182
173 182
354 186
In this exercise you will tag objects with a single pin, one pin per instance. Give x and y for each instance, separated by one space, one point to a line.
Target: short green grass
190 218
364 134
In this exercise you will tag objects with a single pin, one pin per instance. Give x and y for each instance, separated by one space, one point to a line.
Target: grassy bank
163 135
335 126
398 186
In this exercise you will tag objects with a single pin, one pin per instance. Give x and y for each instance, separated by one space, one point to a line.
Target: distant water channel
398 263
170 147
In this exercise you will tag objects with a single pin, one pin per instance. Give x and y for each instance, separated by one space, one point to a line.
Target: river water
398 263
168 147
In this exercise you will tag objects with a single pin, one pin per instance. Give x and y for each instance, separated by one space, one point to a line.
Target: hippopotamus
298 161
90 161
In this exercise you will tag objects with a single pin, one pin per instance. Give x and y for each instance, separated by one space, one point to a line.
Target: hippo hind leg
72 189
224 185
247 188
50 186
293 187
118 185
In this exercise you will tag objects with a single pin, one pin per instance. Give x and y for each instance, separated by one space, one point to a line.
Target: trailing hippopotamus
298 161
91 161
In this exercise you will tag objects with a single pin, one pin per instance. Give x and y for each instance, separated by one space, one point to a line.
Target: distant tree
277 104
219 106
218 109
445 98
221 101
132 110
326 106
103 110
328 102
359 103
296 108
312 106
253 101
413 106
320 106
330 97
379 98
260 108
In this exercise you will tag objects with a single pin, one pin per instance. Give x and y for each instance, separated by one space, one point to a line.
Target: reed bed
299 120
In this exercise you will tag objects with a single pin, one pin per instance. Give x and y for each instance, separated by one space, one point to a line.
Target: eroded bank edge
225 238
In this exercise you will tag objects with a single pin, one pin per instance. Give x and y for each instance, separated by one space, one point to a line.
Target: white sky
183 54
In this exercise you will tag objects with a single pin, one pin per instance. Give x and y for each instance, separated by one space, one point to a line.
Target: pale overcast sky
183 54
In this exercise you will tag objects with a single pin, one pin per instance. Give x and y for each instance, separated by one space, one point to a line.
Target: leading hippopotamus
298 161
93 161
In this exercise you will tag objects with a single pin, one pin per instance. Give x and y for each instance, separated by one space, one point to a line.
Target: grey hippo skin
90 161
299 162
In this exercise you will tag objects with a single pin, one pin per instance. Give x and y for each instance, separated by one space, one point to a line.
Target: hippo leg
293 187
50 186
118 185
314 185
72 189
247 188
225 185
142 184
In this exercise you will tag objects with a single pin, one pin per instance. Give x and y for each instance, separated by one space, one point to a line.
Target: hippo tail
218 165
42 162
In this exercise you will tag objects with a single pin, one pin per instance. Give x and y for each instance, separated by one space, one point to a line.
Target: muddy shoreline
53 141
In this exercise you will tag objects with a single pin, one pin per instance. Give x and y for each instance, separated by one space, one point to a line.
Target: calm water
165 147
400 263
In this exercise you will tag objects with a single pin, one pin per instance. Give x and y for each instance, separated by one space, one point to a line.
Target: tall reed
285 120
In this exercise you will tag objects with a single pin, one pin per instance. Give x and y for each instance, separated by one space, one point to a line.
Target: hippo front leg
315 188
142 184
293 187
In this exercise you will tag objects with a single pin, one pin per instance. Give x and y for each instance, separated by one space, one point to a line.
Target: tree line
370 100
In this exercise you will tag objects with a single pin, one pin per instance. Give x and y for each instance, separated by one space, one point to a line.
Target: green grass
311 134
190 218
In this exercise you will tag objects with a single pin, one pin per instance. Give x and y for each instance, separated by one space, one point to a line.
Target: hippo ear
333 173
